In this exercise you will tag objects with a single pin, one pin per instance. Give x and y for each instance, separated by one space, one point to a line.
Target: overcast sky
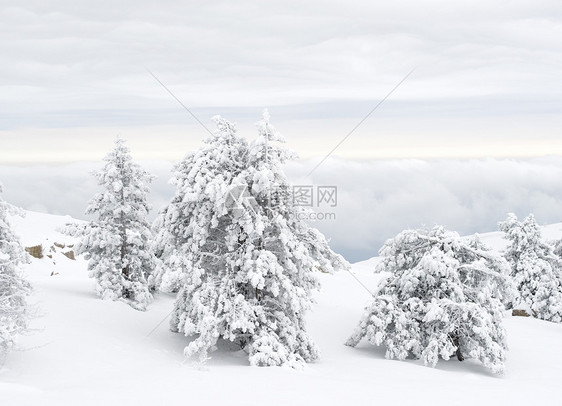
487 79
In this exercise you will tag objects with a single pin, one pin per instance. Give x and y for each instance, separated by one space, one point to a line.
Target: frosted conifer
535 268
117 243
444 297
14 288
245 262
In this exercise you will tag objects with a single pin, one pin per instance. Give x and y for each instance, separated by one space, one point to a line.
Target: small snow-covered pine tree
245 261
536 269
117 243
14 288
444 297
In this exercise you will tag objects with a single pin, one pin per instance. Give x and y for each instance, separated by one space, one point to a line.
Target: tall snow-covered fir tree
536 269
245 263
118 243
444 297
14 288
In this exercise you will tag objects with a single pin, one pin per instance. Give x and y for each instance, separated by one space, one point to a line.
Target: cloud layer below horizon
376 200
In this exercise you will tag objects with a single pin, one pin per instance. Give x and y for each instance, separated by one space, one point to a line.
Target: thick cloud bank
375 199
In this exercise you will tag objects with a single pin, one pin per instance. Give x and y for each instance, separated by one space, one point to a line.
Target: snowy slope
90 352
38 228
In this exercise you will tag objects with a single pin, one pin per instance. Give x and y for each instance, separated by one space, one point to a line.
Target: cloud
66 189
376 200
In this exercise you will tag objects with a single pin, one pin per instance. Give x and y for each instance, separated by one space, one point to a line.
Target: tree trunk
124 269
458 352
123 231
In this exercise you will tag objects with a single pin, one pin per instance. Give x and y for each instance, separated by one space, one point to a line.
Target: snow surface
91 352
38 228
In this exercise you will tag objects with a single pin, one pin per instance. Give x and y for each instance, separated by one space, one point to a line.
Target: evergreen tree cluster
445 296
243 265
230 244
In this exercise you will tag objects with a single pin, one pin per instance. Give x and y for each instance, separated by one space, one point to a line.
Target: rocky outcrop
37 251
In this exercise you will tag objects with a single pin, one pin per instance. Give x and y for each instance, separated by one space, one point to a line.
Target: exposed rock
35 251
69 255
520 312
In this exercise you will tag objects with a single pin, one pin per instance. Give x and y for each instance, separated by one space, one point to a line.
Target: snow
91 352
36 228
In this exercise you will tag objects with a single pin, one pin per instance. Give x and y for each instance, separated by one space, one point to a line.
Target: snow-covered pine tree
247 262
14 288
536 269
444 296
117 243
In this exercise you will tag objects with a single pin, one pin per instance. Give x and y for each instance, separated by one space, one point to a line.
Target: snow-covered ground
85 351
